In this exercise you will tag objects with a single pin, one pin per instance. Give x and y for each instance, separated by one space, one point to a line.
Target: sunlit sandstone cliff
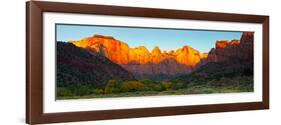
120 53
113 49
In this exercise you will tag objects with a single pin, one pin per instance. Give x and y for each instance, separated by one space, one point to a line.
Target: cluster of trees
115 87
118 86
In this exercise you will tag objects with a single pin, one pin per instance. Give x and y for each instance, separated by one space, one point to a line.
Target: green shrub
147 81
158 87
167 85
177 85
82 90
112 86
99 91
131 86
63 91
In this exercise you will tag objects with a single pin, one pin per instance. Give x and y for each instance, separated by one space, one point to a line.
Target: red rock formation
141 62
117 51
139 55
120 53
212 57
203 55
227 49
247 46
188 56
234 49
156 56
221 44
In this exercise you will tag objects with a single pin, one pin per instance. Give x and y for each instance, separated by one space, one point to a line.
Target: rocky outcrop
188 56
233 50
138 55
164 65
115 50
120 53
227 49
246 46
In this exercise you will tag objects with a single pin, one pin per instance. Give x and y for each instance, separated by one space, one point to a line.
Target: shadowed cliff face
163 70
234 49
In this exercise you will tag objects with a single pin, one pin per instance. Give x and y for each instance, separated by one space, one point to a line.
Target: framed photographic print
95 62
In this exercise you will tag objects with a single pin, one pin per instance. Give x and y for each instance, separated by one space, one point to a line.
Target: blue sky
165 39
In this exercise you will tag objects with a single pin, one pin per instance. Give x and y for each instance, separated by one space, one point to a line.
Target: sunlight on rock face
227 43
120 53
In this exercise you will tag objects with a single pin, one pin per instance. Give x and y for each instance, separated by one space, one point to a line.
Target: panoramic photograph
94 61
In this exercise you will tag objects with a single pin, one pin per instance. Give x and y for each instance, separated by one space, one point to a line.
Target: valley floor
196 89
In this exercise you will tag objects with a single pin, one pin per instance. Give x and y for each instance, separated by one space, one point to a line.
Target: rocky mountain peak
156 51
222 44
226 43
233 49
247 37
103 37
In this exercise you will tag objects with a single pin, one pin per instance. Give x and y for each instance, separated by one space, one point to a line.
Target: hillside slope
79 66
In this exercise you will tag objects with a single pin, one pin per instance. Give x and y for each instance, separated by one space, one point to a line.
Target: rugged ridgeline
79 66
229 60
233 50
141 62
227 56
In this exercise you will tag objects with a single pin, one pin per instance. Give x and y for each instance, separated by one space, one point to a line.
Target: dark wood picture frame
34 61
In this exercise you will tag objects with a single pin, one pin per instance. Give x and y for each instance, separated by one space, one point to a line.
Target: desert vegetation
117 88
